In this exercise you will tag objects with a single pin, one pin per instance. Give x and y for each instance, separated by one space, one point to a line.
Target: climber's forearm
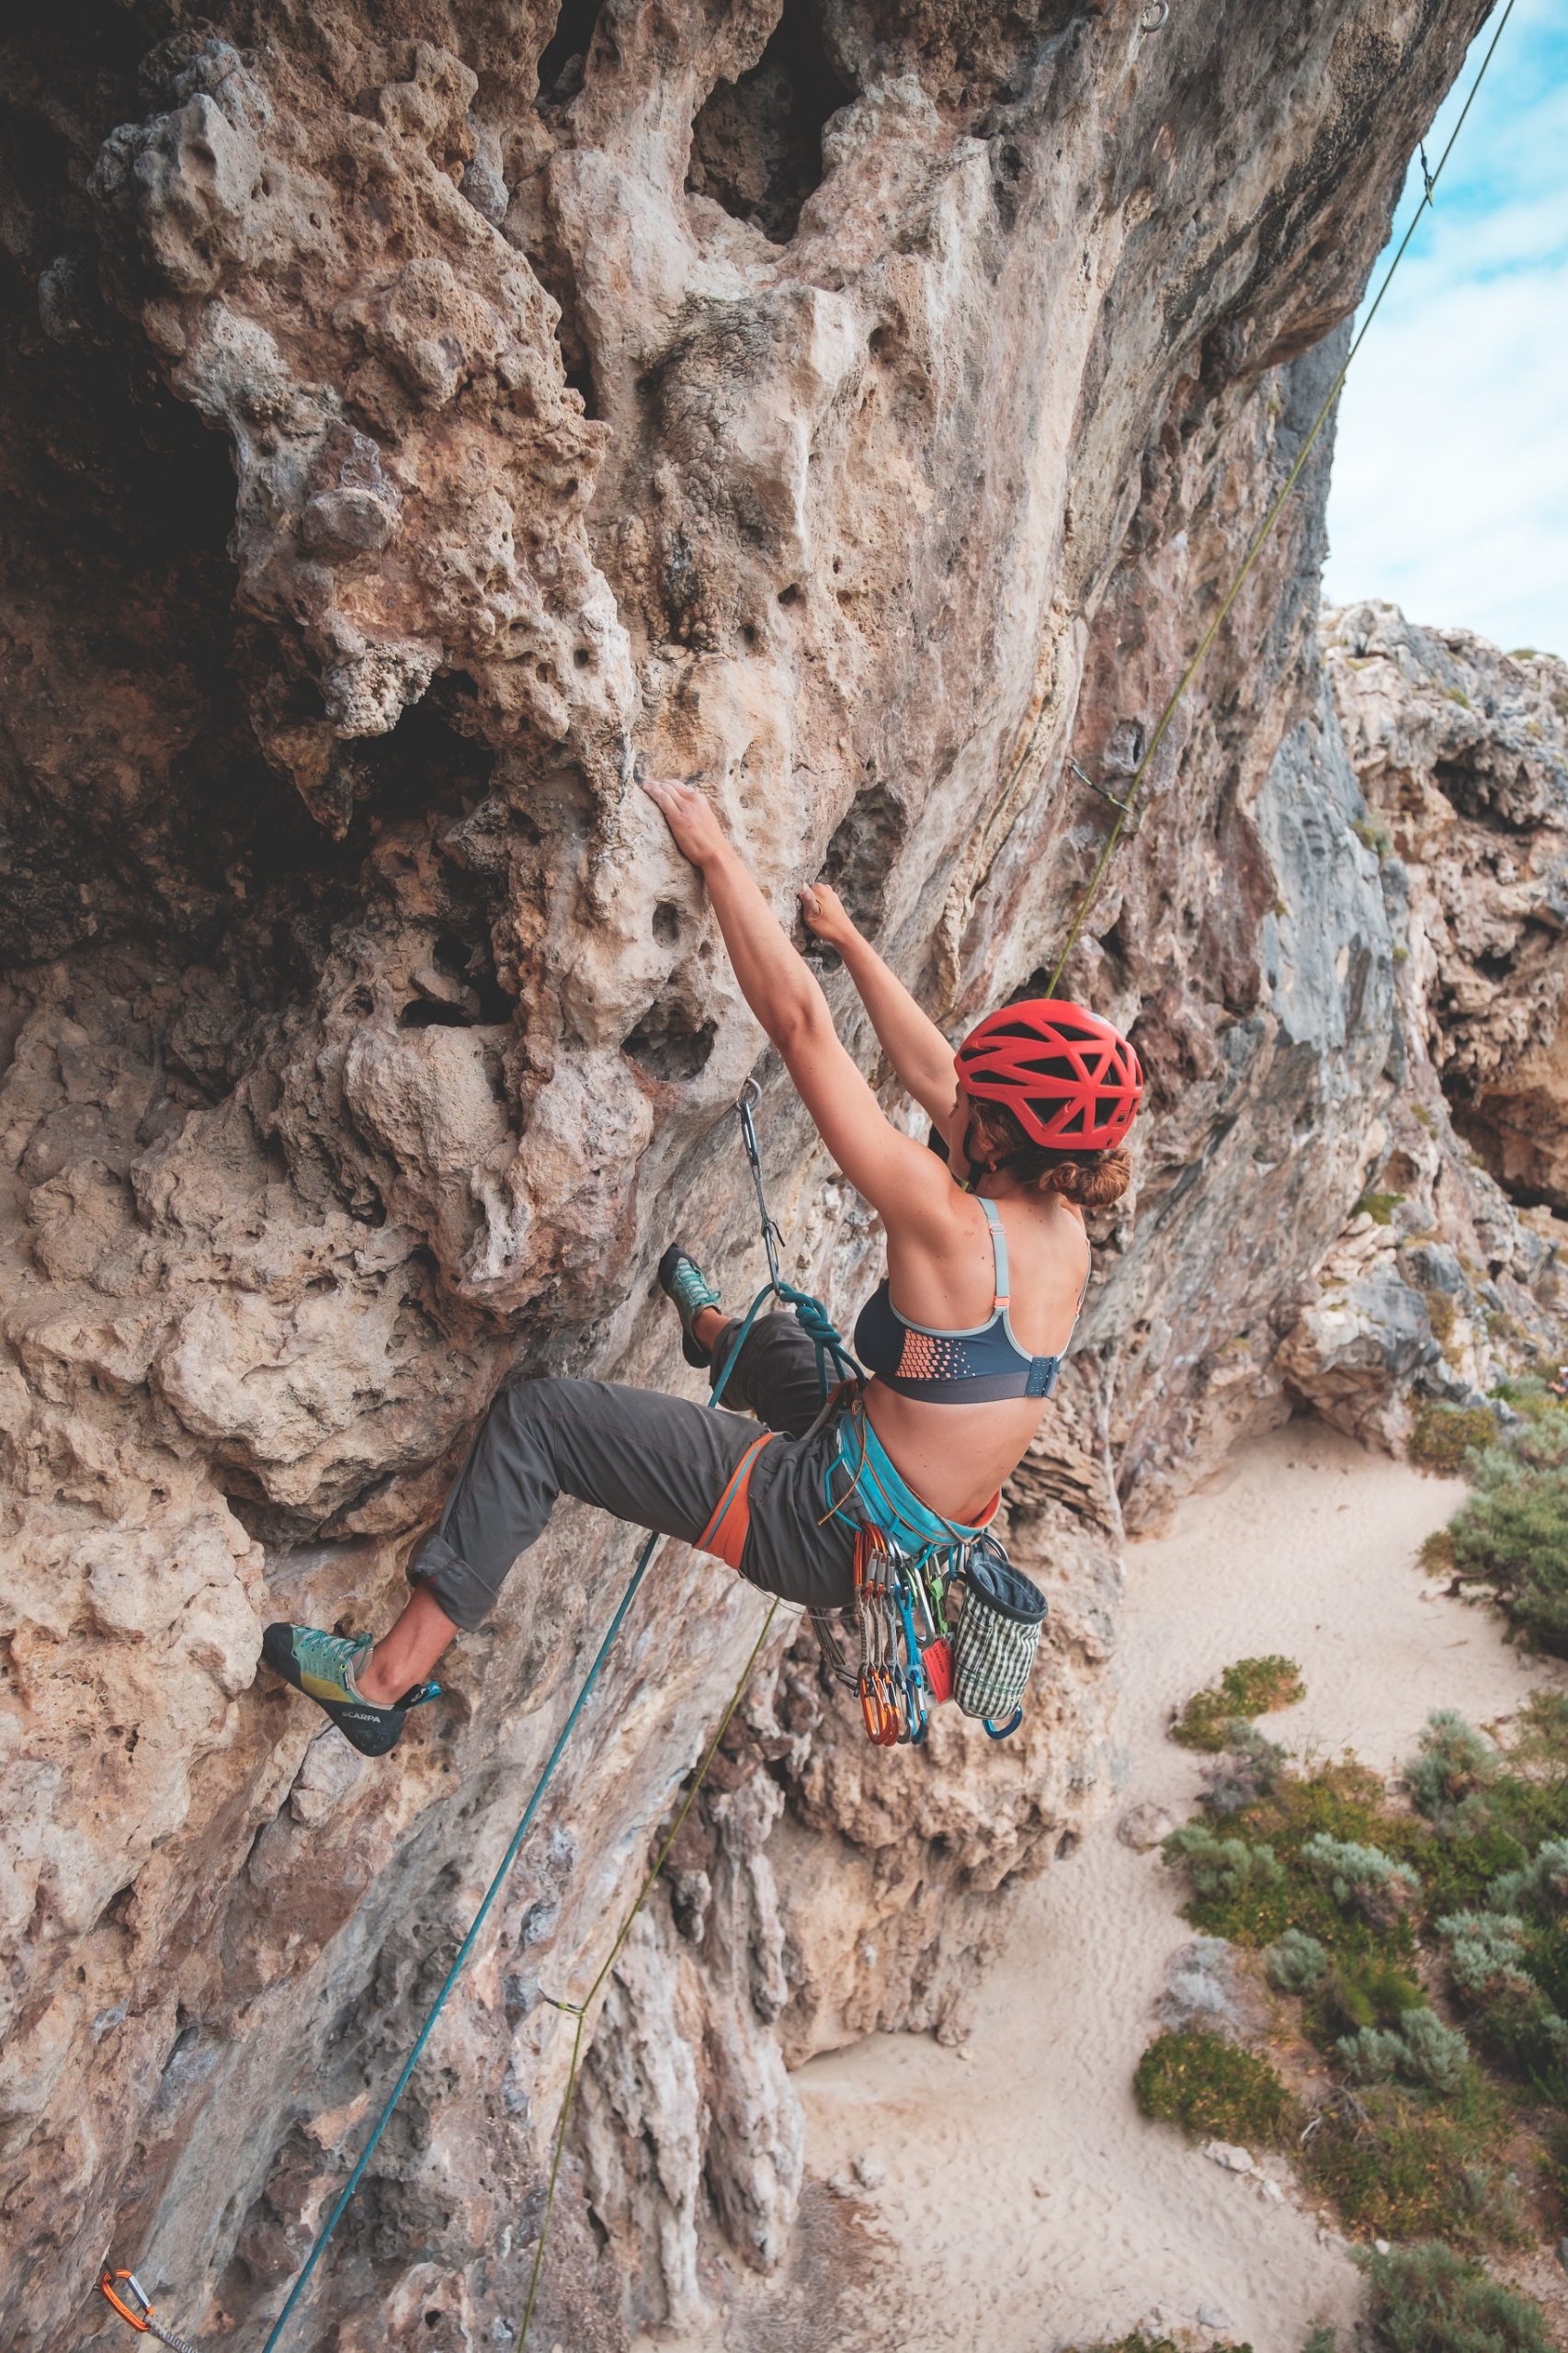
909 1038
776 981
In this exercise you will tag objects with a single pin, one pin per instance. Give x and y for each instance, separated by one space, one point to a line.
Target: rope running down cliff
1139 773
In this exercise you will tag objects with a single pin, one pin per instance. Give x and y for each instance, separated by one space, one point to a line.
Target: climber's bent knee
655 1461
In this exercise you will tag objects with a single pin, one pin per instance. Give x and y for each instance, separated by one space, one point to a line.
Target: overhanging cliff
417 411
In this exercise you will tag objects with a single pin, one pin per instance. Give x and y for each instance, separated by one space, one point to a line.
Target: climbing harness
912 1570
1140 774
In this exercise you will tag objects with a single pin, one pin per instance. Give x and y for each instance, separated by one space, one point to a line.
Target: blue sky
1451 477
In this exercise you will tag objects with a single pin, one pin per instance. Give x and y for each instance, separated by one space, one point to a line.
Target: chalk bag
997 1636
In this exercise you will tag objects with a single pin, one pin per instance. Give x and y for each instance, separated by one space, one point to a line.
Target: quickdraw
892 1689
131 2301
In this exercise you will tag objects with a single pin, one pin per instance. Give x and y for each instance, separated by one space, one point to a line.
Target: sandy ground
1028 2203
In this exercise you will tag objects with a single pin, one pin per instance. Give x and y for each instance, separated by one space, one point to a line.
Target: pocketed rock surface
416 414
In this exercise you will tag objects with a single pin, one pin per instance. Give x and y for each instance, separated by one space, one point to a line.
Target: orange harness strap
725 1534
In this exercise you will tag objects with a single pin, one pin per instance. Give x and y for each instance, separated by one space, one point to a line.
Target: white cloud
1450 482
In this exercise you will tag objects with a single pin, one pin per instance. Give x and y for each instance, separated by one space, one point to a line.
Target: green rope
580 2009
1139 773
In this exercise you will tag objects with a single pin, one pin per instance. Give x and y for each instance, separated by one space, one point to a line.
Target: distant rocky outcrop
1448 1274
417 411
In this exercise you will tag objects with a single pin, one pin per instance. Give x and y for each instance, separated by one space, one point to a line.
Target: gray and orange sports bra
975 1366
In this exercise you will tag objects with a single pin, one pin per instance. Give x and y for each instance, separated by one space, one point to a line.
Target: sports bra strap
998 1251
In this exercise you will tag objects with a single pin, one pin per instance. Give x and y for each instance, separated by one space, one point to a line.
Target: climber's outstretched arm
900 1179
909 1038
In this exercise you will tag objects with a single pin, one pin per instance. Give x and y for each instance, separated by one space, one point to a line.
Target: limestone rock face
417 413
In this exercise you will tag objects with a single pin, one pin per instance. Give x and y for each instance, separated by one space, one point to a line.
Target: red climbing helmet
1071 1080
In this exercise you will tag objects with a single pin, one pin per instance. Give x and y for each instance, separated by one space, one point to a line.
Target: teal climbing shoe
322 1666
682 1280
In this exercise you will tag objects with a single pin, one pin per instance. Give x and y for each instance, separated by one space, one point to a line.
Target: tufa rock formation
416 413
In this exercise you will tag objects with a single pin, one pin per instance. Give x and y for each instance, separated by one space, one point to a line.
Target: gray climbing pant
662 1462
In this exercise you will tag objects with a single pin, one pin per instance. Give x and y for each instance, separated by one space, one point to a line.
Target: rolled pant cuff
462 1594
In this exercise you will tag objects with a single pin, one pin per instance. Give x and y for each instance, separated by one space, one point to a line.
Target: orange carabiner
138 2319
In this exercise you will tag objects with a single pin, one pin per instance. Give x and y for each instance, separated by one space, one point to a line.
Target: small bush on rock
1249 1687
1210 2087
1444 1436
1429 2300
1296 1962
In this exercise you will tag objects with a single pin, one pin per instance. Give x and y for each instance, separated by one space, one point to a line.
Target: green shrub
1444 1436
1421 2050
1399 2167
1454 1760
1519 2029
1512 1530
1208 2085
1250 1687
1485 1949
1436 2055
1546 1960
1365 1989
1248 1768
1541 1737
1460 1866
1296 1962
1430 2300
1371 2055
1223 1868
1342 1799
1361 1877
1322 2339
1541 1887
1378 1207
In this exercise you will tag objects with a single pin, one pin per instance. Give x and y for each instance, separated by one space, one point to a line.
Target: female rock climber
987 1261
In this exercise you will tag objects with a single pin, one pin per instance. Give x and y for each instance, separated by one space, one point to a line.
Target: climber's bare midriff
955 1457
